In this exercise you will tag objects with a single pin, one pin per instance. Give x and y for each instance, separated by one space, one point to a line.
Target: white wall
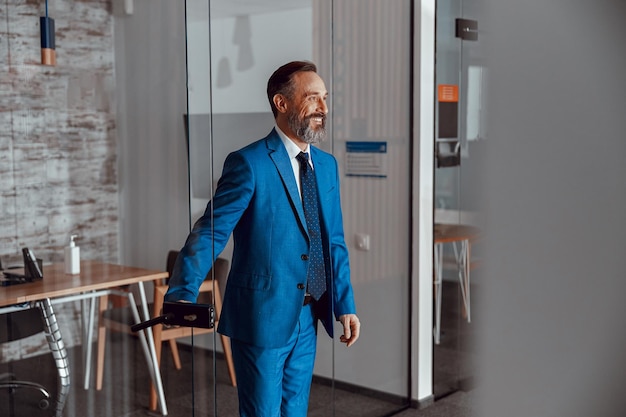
423 193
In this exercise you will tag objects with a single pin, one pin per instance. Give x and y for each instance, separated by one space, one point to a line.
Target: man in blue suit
270 310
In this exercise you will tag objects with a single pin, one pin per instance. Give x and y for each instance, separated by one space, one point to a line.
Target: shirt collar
292 149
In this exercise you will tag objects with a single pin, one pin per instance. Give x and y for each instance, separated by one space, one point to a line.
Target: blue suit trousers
277 380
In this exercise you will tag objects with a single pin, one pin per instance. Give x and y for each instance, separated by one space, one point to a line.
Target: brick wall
57 142
57 132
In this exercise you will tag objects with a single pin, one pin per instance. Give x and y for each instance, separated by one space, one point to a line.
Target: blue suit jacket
257 200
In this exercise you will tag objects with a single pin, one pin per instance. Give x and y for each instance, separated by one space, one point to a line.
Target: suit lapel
279 156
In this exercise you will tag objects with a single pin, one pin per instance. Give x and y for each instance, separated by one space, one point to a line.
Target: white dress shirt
293 150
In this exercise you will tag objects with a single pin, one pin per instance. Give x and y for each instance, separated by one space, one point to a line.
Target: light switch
362 241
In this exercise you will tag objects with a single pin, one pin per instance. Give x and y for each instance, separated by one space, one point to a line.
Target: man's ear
280 102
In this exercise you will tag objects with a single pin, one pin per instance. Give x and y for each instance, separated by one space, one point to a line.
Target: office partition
124 139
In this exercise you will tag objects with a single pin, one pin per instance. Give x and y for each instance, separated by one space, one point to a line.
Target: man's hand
351 329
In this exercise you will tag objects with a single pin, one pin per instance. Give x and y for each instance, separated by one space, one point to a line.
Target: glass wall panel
366 69
459 145
233 48
368 58
92 145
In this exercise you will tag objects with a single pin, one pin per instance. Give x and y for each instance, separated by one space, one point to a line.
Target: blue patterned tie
317 270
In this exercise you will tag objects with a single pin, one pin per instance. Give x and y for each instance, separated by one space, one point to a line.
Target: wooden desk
93 276
95 280
456 234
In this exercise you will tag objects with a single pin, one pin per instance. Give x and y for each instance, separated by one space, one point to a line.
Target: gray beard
303 130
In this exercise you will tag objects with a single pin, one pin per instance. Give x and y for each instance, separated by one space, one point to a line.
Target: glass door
364 48
232 49
459 144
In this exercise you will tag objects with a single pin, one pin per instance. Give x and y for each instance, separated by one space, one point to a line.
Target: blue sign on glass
366 159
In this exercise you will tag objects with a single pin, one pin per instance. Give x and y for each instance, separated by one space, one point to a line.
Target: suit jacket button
300 286
304 257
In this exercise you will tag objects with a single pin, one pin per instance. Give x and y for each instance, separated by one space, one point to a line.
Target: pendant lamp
46 26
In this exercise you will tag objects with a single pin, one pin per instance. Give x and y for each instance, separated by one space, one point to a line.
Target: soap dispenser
72 257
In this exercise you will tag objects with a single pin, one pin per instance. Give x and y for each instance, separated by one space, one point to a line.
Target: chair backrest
171 259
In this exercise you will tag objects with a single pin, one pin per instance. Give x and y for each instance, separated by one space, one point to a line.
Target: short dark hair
280 81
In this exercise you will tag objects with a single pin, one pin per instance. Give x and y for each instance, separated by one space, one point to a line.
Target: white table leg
464 268
89 338
155 365
468 261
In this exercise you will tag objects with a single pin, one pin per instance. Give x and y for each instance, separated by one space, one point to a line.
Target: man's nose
321 106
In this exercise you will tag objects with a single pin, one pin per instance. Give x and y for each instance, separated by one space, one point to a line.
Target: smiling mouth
318 120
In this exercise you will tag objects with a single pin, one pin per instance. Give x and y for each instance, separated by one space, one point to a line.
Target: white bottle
72 257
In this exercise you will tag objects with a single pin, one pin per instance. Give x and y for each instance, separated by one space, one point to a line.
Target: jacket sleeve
212 231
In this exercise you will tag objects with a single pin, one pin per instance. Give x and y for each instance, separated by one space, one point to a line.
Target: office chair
16 325
120 319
